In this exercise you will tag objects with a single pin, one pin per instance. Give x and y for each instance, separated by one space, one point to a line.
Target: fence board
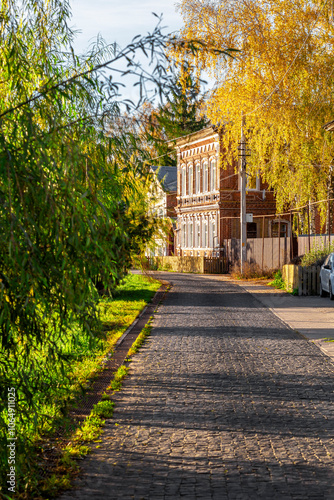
264 253
300 280
317 240
215 265
306 279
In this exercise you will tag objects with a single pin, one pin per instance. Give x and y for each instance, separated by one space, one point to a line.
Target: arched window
190 180
190 235
198 178
213 175
214 242
204 233
184 235
183 181
197 235
205 176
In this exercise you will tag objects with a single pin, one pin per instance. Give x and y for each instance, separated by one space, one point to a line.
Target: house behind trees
208 198
164 206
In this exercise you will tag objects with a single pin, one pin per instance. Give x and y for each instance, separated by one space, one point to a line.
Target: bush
317 256
251 271
278 281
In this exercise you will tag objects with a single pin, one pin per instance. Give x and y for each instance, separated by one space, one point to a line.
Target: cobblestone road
224 402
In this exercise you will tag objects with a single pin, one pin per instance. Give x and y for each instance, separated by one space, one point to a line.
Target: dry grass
252 271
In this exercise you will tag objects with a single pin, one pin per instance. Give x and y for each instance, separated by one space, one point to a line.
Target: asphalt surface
224 402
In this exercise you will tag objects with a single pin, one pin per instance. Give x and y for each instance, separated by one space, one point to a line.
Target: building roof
202 134
167 177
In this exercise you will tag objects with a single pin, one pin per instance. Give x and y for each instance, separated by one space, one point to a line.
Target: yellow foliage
281 78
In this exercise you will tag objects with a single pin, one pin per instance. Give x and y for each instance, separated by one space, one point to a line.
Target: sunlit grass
66 381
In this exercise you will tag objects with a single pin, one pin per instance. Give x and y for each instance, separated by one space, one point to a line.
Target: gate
215 265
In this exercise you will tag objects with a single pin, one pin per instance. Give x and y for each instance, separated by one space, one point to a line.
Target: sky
120 20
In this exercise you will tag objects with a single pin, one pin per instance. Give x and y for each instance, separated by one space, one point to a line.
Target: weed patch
146 331
278 281
116 383
317 256
251 271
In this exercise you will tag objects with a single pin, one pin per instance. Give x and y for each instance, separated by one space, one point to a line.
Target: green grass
140 339
116 383
278 281
317 255
83 360
90 430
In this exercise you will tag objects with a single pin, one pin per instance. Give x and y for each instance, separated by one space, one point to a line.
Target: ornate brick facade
208 198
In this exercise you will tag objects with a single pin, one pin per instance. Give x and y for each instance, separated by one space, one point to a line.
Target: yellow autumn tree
281 78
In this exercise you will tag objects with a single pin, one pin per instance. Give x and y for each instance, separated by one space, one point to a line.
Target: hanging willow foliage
73 197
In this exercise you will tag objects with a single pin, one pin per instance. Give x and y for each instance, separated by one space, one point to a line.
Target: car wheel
321 290
331 294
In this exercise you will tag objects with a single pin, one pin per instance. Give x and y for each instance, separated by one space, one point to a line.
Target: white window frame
204 242
184 235
213 172
205 166
198 177
183 181
190 179
198 235
258 183
214 234
190 235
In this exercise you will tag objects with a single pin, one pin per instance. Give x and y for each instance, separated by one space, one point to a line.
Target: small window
251 230
275 229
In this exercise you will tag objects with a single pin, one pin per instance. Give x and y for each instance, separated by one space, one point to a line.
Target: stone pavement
225 402
311 316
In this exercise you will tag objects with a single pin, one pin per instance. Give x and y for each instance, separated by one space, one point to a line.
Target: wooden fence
270 253
307 243
202 265
215 265
305 279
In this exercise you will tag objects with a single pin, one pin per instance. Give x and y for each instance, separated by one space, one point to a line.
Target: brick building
208 198
165 202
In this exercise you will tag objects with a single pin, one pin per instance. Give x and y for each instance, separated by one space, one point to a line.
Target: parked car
327 277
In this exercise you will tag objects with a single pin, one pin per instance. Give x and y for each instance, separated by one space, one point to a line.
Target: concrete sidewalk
311 316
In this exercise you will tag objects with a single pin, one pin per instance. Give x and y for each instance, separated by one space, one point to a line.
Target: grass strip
91 429
117 314
146 331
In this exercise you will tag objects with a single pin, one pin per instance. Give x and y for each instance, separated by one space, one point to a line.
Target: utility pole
243 231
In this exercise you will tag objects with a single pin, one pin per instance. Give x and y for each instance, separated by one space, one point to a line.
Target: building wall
164 206
208 197
198 196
